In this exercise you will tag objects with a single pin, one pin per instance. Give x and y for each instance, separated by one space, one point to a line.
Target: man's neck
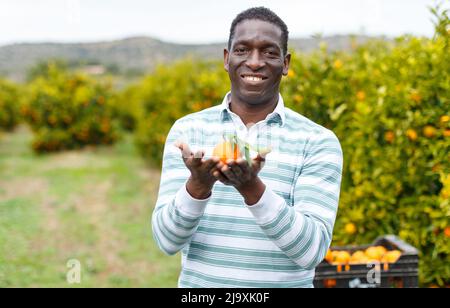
253 113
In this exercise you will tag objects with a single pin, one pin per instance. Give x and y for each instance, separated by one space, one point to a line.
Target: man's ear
226 55
287 62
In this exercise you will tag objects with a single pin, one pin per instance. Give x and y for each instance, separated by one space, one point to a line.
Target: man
268 224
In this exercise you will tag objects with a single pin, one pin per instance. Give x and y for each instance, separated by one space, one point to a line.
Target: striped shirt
277 242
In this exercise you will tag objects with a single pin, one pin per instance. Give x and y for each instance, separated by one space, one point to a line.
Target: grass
92 205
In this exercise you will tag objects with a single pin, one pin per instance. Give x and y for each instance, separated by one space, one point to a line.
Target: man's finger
219 176
197 159
237 167
185 150
211 163
263 152
229 174
259 162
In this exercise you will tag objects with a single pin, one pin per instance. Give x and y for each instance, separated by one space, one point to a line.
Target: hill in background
130 56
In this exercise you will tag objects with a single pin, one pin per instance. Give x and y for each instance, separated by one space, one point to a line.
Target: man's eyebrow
263 44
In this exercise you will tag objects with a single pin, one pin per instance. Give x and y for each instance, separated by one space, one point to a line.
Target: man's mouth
253 78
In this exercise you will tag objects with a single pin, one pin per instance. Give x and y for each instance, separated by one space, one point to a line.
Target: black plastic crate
401 274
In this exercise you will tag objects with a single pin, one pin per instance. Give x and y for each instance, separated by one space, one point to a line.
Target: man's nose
254 60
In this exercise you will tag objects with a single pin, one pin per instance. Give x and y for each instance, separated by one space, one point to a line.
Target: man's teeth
252 78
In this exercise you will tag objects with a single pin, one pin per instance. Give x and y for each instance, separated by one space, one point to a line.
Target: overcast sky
202 21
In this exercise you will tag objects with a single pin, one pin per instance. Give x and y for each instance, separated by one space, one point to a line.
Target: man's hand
243 177
201 181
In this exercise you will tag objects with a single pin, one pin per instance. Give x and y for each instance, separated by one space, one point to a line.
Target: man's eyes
242 50
270 52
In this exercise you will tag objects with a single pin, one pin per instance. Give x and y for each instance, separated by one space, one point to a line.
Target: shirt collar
277 116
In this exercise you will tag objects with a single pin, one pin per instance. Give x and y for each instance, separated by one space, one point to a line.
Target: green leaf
247 155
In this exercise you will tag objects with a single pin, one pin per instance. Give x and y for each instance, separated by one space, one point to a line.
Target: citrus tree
389 105
169 94
69 110
9 105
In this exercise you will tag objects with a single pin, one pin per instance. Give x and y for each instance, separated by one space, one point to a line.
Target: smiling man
264 223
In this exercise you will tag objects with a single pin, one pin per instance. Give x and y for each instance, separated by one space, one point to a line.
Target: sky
203 21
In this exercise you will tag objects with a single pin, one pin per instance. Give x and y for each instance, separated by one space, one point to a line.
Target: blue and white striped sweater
276 243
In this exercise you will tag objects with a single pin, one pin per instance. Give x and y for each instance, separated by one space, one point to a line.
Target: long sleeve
304 231
176 214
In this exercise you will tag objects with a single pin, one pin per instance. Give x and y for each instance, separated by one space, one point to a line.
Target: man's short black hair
264 14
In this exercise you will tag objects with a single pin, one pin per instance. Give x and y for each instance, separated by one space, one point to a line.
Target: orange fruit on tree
411 134
67 119
437 167
389 136
447 132
429 131
350 228
24 110
101 100
226 150
445 119
52 120
298 98
361 95
338 64
359 191
105 126
415 96
447 231
445 193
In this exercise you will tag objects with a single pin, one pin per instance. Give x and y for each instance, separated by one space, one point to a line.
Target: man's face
255 62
